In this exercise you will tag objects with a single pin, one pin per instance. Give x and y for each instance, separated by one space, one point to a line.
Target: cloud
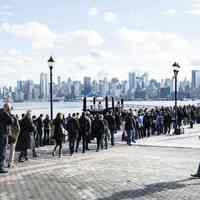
6 7
81 38
110 17
169 12
5 13
155 51
13 65
93 12
195 10
39 34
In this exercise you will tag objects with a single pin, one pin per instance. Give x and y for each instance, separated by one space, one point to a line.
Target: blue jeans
3 143
133 136
129 136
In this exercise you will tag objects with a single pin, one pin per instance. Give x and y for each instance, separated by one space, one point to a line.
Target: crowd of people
30 132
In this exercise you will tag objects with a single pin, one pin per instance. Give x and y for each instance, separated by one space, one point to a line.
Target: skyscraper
87 85
132 81
195 79
43 86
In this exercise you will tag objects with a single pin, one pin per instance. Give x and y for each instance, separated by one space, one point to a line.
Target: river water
69 107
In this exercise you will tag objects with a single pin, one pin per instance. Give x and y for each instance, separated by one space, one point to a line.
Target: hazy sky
98 38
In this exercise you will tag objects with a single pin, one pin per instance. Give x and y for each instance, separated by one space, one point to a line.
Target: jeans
46 140
133 135
3 143
82 136
112 133
11 154
99 142
129 136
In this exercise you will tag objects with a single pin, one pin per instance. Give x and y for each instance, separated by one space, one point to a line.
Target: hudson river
69 107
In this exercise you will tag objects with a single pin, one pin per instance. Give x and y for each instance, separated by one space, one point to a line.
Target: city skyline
85 35
135 86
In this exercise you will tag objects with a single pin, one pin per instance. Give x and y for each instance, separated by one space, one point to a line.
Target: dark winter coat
111 122
72 127
98 128
129 124
58 130
84 125
5 121
25 139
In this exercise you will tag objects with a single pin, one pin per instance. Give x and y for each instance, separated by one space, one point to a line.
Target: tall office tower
195 79
42 86
145 79
28 87
77 88
46 87
87 86
132 81
95 88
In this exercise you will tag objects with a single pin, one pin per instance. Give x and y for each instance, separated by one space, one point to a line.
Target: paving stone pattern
120 173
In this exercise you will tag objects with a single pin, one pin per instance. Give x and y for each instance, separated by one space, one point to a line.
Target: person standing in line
98 130
35 132
129 128
146 122
5 121
72 127
111 125
84 127
140 123
47 123
58 134
26 137
88 139
40 126
12 140
106 135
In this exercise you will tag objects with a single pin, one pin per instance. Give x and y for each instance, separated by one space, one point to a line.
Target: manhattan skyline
98 38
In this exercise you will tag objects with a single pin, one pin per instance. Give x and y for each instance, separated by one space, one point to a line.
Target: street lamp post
51 63
176 68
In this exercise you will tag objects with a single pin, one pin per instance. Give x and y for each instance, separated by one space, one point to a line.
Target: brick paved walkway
122 172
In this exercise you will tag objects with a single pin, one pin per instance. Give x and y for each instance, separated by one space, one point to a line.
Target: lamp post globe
176 68
51 62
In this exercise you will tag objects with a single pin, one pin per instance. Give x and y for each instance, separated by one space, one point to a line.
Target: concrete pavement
120 173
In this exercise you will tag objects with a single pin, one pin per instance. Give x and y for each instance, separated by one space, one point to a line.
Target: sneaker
21 160
35 155
195 175
26 159
53 153
60 155
11 165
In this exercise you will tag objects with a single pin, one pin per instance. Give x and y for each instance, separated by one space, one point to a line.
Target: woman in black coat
58 134
98 130
26 137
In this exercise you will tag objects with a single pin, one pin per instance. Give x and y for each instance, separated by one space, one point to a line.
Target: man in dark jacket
72 127
46 123
84 127
112 126
26 137
98 130
5 121
40 130
146 122
129 128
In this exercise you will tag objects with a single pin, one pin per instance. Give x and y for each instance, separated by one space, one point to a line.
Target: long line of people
31 132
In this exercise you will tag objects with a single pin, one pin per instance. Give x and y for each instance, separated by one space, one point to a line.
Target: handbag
11 139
